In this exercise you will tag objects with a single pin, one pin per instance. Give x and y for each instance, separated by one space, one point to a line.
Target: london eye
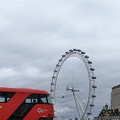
73 86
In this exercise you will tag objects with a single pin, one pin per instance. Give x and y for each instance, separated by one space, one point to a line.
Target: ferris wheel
73 86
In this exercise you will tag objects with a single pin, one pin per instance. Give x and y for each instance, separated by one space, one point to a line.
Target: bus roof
25 90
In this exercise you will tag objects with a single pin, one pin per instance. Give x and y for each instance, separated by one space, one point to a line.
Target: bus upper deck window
10 95
32 99
43 99
6 96
2 96
49 99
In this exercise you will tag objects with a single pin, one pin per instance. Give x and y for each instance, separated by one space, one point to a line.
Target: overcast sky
35 33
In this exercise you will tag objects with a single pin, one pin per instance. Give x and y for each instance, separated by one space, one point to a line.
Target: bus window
49 99
32 99
2 96
5 96
43 99
9 95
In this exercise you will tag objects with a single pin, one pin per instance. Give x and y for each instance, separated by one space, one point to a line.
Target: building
115 97
112 112
108 114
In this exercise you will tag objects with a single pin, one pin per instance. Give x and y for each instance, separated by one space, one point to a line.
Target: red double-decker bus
25 104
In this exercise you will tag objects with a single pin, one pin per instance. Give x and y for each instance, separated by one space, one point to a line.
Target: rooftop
118 86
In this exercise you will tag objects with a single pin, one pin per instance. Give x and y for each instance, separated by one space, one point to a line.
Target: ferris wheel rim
81 55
